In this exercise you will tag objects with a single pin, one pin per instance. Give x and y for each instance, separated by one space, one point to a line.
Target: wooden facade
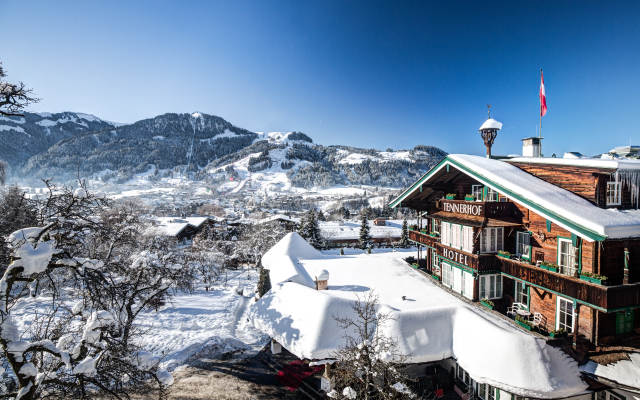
597 306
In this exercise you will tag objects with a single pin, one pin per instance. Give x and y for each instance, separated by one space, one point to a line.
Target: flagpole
540 131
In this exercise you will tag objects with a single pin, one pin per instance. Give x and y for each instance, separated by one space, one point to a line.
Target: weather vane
489 110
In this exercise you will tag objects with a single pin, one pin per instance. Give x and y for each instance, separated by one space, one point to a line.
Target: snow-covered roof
558 205
624 372
491 124
431 324
278 217
617 164
350 230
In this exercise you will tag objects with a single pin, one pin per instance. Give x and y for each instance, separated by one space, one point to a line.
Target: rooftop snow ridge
432 326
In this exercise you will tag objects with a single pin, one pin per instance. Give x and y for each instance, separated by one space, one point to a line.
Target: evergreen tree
365 236
341 251
404 238
321 216
302 227
264 284
313 230
345 212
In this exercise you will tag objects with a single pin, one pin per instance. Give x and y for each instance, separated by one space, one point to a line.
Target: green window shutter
629 321
574 240
548 226
620 323
497 394
528 296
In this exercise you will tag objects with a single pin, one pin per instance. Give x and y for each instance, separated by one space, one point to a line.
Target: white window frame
568 265
490 283
435 227
569 304
464 376
521 293
489 392
467 284
436 259
476 190
491 236
523 244
467 239
445 234
456 232
446 274
492 195
614 193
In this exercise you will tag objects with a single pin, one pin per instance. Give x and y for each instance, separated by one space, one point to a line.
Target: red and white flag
543 98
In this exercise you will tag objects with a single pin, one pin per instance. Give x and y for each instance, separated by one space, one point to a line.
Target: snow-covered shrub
92 268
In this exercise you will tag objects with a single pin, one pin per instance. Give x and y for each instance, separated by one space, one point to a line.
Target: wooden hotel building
554 242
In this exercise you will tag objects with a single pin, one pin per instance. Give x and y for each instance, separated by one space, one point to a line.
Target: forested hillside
165 141
24 137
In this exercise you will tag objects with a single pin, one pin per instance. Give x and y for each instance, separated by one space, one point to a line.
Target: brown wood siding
545 303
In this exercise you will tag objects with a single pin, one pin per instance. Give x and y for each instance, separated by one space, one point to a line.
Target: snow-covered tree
367 366
92 266
255 240
364 238
404 236
14 97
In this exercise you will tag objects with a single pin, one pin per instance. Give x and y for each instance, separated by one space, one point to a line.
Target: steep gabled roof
558 205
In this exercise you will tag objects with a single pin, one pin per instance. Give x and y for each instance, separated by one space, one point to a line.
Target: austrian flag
543 98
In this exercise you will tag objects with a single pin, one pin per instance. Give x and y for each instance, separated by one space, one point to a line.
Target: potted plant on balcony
487 303
504 254
451 196
523 322
586 276
436 277
599 279
549 266
558 333
434 234
469 197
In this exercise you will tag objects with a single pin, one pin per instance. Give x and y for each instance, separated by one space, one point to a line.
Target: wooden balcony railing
609 298
422 238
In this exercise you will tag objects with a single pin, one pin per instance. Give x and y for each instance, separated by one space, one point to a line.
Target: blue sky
368 74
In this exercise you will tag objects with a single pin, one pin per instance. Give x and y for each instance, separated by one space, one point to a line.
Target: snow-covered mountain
165 141
208 148
24 137
279 161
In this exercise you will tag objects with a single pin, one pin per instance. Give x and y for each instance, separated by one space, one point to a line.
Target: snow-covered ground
190 326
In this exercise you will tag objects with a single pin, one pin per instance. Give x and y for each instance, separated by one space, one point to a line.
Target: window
464 376
446 274
564 319
456 230
492 195
614 196
476 190
523 245
607 395
566 257
435 227
445 234
522 293
467 285
624 322
490 286
436 259
488 392
467 239
491 240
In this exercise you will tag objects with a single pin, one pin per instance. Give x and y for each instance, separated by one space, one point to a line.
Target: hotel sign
456 256
463 207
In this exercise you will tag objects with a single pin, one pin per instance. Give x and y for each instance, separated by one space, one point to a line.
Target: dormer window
614 195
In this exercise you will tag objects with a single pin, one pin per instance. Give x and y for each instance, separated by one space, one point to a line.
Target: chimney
322 279
531 147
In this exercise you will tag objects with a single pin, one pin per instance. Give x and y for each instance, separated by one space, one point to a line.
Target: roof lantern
489 131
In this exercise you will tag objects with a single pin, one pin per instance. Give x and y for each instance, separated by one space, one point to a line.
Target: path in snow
240 186
244 331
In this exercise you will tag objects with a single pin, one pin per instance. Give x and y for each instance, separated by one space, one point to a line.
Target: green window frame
624 321
518 294
566 267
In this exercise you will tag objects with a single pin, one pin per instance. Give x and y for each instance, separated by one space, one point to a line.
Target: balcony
609 298
423 238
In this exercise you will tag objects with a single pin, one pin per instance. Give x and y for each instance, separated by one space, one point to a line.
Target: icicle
631 179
